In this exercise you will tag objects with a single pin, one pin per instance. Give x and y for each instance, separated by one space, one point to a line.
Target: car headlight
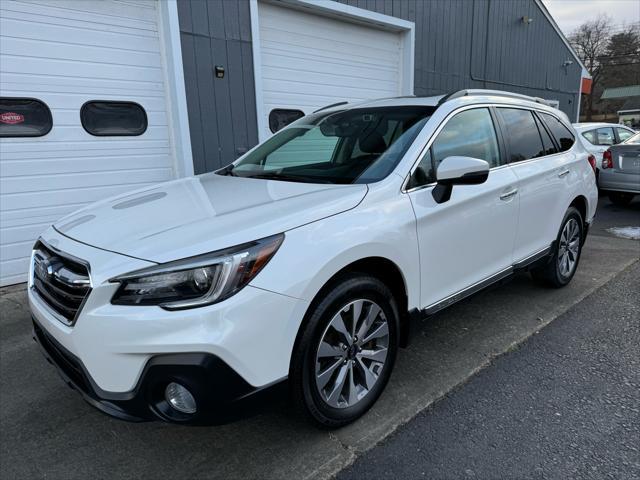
196 281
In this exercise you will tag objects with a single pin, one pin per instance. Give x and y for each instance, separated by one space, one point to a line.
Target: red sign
11 118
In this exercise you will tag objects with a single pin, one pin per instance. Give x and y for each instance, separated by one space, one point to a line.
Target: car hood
201 214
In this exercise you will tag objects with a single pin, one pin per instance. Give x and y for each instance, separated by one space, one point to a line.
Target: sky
569 14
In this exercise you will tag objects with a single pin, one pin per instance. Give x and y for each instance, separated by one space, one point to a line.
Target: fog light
180 398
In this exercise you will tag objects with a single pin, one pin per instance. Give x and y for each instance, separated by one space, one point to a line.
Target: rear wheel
620 199
346 351
562 265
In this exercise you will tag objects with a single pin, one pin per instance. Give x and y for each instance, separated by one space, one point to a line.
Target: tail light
592 162
607 159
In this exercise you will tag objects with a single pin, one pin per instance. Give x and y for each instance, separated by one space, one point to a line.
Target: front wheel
346 351
562 265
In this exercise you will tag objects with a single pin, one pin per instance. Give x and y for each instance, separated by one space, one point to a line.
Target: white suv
308 257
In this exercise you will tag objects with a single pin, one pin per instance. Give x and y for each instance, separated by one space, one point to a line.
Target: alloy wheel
352 353
569 247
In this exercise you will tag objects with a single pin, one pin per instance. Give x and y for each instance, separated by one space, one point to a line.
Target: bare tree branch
590 41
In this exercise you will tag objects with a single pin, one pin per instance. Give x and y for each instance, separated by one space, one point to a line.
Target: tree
590 41
624 47
621 63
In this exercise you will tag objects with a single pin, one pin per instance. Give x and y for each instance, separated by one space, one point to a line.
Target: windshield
635 140
360 145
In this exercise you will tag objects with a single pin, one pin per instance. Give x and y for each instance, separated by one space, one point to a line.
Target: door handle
564 173
509 194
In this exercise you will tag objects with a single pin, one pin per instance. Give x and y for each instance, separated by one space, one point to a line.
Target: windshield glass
360 145
635 140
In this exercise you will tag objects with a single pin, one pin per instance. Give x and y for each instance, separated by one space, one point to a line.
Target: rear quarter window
564 138
590 136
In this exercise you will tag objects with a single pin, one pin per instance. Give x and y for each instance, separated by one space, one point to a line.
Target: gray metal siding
459 44
222 112
484 44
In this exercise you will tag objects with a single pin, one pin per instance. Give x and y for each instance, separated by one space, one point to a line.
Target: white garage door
65 53
309 61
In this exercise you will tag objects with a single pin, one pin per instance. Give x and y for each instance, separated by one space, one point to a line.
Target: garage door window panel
24 117
107 118
281 117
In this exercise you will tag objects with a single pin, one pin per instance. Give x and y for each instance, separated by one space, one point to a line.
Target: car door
542 167
468 238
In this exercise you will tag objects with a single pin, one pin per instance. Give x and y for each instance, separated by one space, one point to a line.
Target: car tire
621 199
561 266
323 344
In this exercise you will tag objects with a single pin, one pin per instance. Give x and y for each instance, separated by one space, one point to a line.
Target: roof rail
329 106
495 93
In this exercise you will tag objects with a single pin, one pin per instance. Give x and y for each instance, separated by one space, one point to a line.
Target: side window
24 117
107 118
314 147
605 136
564 137
469 134
281 117
423 173
547 142
522 135
624 134
591 137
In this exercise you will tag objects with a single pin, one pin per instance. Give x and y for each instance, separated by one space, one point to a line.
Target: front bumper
122 357
220 393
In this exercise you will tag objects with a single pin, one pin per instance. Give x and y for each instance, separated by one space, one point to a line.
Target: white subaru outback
307 258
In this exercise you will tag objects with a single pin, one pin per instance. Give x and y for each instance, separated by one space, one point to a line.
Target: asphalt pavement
564 405
47 431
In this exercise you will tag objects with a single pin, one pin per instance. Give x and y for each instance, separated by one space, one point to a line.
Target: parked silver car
620 172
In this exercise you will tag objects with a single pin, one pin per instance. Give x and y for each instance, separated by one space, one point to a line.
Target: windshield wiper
287 178
228 170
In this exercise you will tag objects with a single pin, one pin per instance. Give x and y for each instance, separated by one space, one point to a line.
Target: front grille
61 281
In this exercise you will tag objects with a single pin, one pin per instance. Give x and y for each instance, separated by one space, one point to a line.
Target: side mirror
458 171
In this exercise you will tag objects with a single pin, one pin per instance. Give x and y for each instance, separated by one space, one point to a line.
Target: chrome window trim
442 124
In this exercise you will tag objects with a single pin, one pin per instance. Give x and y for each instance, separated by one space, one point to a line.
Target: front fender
310 255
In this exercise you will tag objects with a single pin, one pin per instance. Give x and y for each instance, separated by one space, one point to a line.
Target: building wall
222 111
484 44
459 44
